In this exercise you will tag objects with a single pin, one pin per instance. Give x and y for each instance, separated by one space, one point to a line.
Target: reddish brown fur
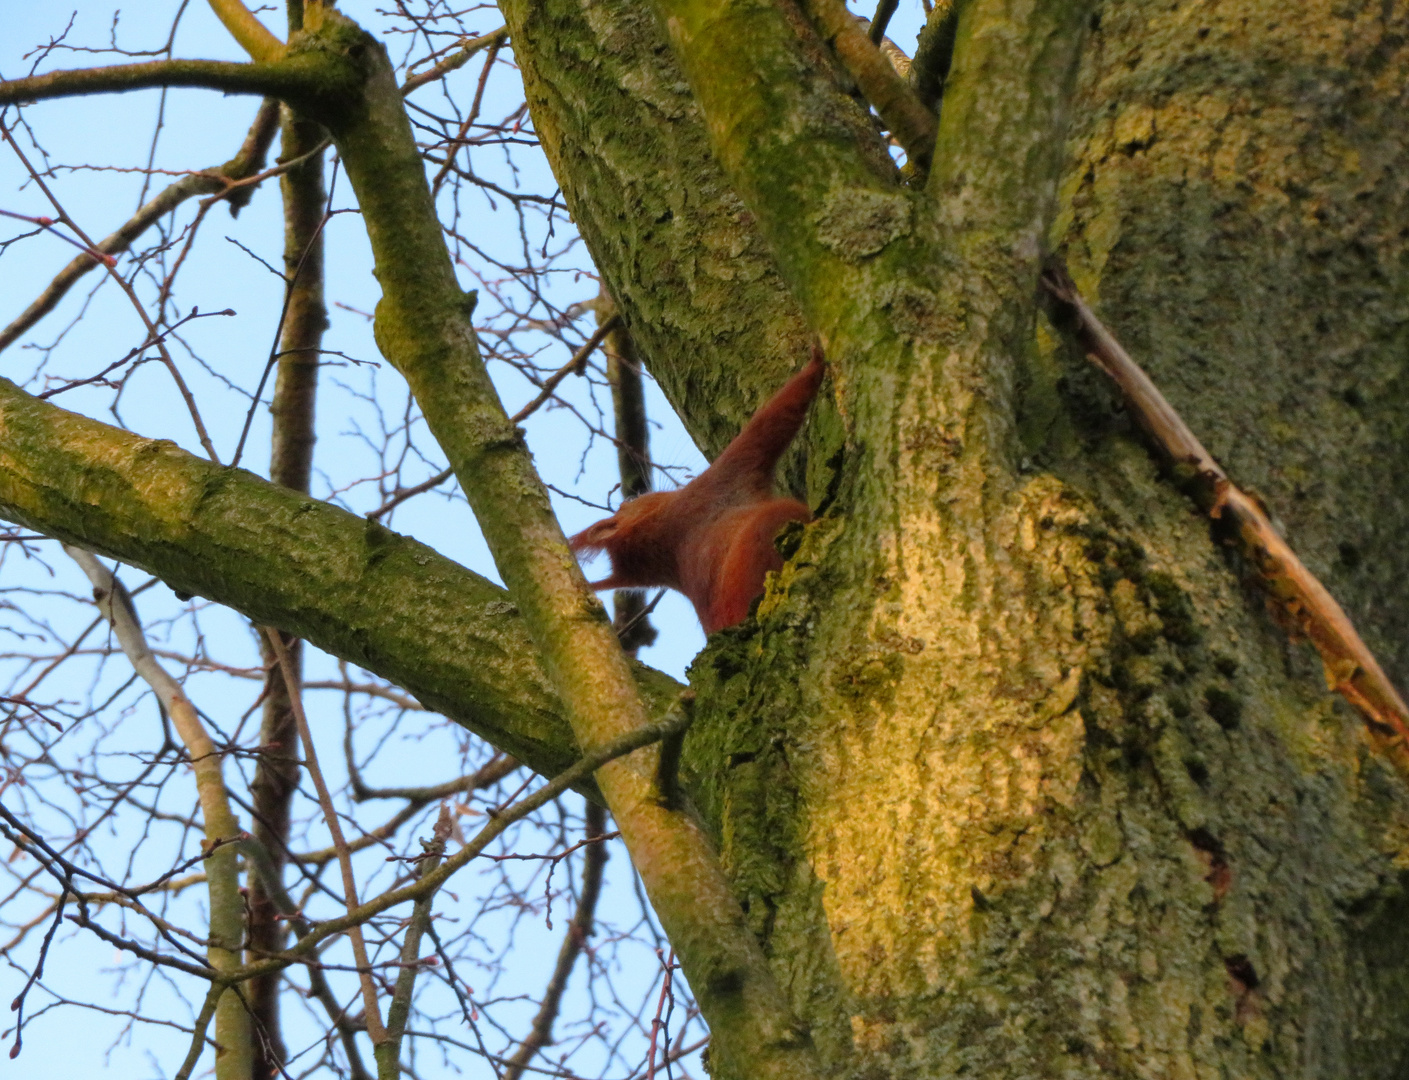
713 539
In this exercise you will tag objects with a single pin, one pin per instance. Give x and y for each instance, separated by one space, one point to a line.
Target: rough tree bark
1013 774
1016 776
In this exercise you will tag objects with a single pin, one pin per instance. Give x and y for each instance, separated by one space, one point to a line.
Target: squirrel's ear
596 537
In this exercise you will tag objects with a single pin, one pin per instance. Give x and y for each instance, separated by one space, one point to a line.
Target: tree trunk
1015 774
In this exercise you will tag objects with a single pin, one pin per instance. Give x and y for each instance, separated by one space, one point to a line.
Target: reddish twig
48 224
657 1022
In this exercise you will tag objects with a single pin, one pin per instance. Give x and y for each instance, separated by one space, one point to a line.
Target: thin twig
656 1022
410 493
330 815
219 181
578 931
676 719
17 1006
47 224
573 366
151 956
132 354
453 147
128 291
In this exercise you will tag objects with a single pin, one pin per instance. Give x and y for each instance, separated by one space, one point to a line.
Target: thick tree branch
423 327
1003 127
354 589
884 11
287 80
934 52
800 152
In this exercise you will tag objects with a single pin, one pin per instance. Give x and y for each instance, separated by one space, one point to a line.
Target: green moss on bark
353 588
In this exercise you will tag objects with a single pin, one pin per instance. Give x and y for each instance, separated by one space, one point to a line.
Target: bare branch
283 81
399 1011
578 931
222 872
247 161
330 818
457 60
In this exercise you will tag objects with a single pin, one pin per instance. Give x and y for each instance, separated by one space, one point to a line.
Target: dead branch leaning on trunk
1351 669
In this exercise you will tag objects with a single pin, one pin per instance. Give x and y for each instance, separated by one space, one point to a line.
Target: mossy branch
1003 126
280 79
647 193
355 589
423 328
898 106
253 36
798 150
935 52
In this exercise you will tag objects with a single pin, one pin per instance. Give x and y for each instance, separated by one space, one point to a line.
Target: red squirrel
713 538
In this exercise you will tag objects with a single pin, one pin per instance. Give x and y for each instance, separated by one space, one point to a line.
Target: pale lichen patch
855 223
936 731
